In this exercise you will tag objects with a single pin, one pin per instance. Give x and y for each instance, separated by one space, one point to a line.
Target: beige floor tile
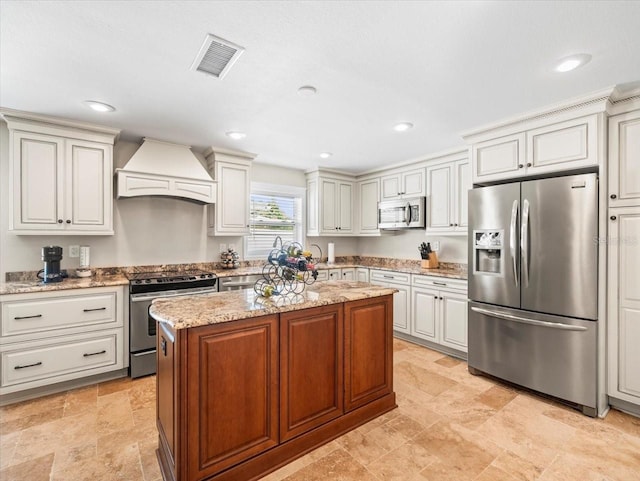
418 412
623 421
66 455
494 474
564 468
81 401
114 413
402 463
120 465
35 469
361 446
336 466
422 378
148 460
518 467
116 385
458 404
448 361
497 397
8 444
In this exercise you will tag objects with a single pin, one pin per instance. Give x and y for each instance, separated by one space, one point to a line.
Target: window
276 210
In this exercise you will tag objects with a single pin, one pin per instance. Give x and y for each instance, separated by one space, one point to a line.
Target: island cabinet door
232 391
368 350
311 369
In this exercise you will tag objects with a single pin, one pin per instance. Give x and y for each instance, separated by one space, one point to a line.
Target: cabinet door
345 208
496 159
323 275
313 226
232 393
88 197
413 183
453 317
329 206
369 197
335 274
311 369
562 146
624 159
390 186
462 187
232 206
38 177
424 313
624 305
401 308
362 274
368 362
166 388
440 198
349 274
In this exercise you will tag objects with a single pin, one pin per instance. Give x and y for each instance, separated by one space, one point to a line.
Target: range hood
166 169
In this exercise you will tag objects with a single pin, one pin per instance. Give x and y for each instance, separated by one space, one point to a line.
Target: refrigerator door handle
512 238
524 320
524 242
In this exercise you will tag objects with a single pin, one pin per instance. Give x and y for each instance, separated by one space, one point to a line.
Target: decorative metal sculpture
289 269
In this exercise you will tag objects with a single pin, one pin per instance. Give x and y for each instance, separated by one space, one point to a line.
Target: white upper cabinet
61 177
568 145
624 159
231 213
330 204
404 184
447 186
368 197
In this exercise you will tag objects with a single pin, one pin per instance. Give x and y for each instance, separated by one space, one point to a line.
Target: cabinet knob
435 297
528 164
68 221
456 225
613 196
613 217
59 221
441 298
520 166
450 225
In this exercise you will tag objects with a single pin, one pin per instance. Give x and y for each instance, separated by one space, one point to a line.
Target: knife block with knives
429 257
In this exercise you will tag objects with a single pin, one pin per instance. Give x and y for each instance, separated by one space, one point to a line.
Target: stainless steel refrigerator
533 285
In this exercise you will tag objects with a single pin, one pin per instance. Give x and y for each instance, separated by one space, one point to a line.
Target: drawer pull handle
27 317
388 277
39 363
94 353
96 309
439 283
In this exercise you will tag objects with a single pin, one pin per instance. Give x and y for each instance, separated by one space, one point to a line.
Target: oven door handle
160 295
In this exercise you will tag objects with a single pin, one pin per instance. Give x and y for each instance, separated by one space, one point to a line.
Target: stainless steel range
144 288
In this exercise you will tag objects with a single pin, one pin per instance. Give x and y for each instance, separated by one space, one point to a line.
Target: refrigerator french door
533 285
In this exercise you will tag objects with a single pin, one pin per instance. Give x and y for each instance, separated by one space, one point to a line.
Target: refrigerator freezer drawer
550 354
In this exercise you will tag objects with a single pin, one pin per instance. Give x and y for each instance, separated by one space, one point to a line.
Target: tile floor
449 425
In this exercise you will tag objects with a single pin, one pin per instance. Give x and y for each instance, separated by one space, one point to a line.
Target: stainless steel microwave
402 213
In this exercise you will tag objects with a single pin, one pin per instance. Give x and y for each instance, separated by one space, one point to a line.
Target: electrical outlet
223 247
435 246
74 251
232 247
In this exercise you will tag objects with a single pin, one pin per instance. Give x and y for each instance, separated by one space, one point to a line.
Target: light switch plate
74 251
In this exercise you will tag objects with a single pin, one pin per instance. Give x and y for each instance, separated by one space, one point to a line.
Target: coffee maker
51 255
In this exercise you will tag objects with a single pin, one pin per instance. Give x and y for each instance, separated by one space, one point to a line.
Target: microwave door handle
407 213
524 242
512 239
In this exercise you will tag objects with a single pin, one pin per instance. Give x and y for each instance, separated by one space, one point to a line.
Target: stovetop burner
164 280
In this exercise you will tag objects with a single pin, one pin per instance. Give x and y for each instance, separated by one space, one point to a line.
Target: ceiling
444 66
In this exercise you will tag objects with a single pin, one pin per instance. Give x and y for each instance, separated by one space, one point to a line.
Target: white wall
404 245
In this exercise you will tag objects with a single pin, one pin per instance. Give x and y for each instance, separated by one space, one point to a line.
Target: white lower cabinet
56 336
401 299
439 311
362 274
624 304
345 274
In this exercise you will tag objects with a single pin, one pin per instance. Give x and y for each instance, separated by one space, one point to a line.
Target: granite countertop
206 309
21 287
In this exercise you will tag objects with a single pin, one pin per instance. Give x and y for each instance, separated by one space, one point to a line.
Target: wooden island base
237 400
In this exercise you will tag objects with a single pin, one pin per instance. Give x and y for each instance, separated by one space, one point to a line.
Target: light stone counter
202 310
21 287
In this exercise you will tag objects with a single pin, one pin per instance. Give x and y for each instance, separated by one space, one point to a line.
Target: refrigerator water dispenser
488 251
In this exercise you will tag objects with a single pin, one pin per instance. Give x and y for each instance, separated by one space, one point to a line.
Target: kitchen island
246 384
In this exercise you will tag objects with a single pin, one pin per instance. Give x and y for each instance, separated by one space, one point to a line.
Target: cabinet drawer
36 315
439 283
389 276
50 359
323 275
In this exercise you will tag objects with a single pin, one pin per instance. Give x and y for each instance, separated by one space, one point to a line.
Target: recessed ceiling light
326 155
403 126
572 62
99 106
236 135
307 91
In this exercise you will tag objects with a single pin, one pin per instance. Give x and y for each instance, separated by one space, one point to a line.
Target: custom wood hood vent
216 56
165 169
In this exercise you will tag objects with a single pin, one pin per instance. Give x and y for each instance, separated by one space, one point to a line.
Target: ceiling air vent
216 56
